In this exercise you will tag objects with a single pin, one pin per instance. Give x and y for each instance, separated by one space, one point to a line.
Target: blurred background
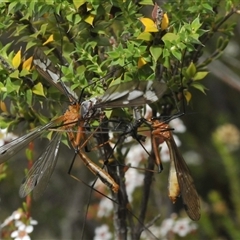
210 146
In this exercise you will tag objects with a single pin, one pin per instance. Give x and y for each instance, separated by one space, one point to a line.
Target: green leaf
170 37
43 120
195 25
11 6
29 154
166 63
207 6
78 3
177 54
44 28
199 87
25 206
220 42
191 71
24 72
156 52
199 76
38 89
146 2
29 97
3 123
14 74
166 53
6 47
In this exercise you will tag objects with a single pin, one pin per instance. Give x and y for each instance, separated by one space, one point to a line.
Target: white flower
136 154
22 232
183 227
7 221
9 137
165 156
19 223
166 226
102 233
6 137
33 222
152 233
164 153
177 141
133 179
15 216
178 125
105 207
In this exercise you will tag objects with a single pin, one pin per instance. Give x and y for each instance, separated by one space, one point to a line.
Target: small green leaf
146 36
24 72
78 3
177 54
207 6
44 28
220 42
170 37
25 207
3 123
191 70
29 97
195 25
6 48
29 154
11 6
199 76
166 53
43 120
166 62
12 86
38 89
14 74
156 52
199 87
146 2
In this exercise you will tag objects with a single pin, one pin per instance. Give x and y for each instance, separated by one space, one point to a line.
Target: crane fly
134 93
180 180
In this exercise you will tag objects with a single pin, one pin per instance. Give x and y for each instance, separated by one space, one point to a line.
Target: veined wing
10 149
133 93
39 175
188 191
45 67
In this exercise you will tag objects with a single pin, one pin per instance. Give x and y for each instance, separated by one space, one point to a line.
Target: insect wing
46 68
41 171
133 93
188 191
10 149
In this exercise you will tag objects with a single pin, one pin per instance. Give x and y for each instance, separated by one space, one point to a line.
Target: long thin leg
95 169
